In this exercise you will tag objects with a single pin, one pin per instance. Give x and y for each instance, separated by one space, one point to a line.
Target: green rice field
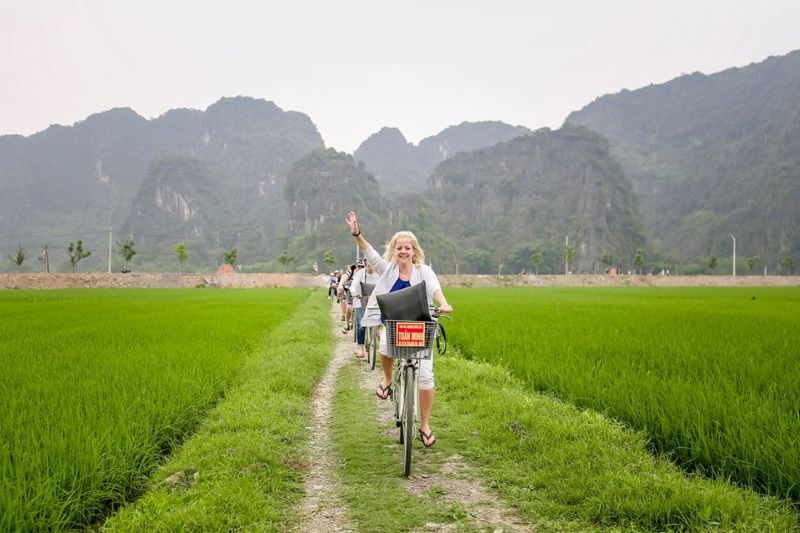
98 385
712 375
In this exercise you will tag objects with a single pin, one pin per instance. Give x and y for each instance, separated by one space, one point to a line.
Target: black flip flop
427 437
379 392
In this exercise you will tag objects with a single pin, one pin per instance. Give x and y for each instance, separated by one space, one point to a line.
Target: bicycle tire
408 419
373 349
397 398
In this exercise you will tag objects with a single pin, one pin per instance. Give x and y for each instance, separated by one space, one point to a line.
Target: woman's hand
445 308
352 221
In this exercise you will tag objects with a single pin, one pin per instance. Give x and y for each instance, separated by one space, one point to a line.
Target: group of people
401 265
345 288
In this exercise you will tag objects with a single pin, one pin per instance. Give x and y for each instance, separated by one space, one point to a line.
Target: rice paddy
710 374
98 385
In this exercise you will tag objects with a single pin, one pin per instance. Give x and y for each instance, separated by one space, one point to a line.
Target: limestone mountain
399 166
503 203
177 202
73 182
712 156
321 189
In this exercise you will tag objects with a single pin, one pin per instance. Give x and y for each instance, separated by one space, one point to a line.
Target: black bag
366 290
410 303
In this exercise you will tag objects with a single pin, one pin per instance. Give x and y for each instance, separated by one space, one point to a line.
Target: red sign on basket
410 334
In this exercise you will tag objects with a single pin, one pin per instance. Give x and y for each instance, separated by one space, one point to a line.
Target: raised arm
352 221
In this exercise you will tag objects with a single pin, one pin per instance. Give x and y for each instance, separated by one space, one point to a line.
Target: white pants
425 365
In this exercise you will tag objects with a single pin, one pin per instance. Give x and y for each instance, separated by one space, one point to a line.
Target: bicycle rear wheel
407 428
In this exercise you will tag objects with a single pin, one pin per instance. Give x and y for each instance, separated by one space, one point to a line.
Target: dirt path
452 477
322 509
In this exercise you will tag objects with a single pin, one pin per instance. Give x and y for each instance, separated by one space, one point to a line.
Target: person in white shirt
365 274
402 265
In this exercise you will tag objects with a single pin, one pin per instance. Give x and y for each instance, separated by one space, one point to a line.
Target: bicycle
408 342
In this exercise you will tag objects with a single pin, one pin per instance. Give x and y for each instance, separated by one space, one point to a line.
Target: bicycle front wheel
373 349
407 428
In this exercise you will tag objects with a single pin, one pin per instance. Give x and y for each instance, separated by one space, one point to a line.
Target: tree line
76 252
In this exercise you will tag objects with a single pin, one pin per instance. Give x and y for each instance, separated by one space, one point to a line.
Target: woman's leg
426 393
425 408
387 363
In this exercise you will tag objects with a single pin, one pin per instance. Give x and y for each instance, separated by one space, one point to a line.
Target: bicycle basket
407 339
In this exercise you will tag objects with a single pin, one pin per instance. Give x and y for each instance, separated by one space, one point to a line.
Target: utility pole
734 255
46 260
566 255
109 249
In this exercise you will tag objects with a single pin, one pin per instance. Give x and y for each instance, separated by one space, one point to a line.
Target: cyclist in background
366 275
402 265
333 280
344 295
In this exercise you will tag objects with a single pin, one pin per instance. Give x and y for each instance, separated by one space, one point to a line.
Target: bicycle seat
410 303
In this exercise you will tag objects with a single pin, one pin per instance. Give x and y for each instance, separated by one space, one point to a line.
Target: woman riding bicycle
402 265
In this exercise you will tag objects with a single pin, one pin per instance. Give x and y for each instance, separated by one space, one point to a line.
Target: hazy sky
356 66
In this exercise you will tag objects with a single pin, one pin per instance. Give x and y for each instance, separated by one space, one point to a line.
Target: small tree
76 253
19 257
230 256
285 259
712 264
751 263
127 251
638 259
537 259
569 257
329 258
787 262
607 260
182 251
479 259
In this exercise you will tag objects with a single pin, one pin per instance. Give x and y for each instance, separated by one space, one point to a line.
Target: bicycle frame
408 342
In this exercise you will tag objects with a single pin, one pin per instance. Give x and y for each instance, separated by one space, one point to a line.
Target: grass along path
555 462
246 455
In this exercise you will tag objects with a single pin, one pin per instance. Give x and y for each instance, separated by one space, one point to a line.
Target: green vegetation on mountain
711 156
179 202
505 203
321 189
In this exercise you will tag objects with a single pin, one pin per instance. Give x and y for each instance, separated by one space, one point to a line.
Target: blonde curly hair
419 253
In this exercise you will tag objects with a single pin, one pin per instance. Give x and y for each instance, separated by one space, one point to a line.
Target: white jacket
388 272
